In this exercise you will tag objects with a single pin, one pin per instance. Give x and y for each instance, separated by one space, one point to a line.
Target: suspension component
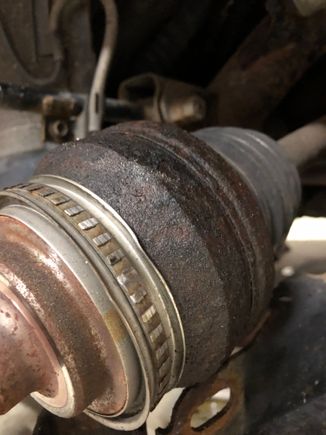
134 261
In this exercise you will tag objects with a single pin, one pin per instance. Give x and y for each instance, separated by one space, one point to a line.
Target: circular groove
127 276
131 421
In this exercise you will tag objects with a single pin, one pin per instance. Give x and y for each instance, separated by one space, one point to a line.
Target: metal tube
96 98
304 144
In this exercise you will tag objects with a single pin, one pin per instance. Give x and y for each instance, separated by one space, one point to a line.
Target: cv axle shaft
134 261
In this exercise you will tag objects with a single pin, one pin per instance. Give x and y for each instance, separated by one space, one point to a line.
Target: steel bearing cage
161 349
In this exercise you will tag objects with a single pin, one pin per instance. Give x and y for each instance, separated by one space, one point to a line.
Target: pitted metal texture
164 240
195 217
143 301
130 281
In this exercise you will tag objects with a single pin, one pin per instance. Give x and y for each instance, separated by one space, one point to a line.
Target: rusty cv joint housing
133 262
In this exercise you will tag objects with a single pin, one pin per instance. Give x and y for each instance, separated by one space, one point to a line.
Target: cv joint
133 262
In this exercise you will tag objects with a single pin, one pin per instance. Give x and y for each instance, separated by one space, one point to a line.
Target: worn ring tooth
128 279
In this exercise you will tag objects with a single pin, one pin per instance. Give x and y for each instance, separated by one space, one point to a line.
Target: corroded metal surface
267 65
148 258
25 362
165 100
140 288
196 219
277 381
85 351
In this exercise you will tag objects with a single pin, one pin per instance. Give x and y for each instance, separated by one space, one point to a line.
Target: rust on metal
25 362
191 399
267 64
165 100
196 219
201 224
73 327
